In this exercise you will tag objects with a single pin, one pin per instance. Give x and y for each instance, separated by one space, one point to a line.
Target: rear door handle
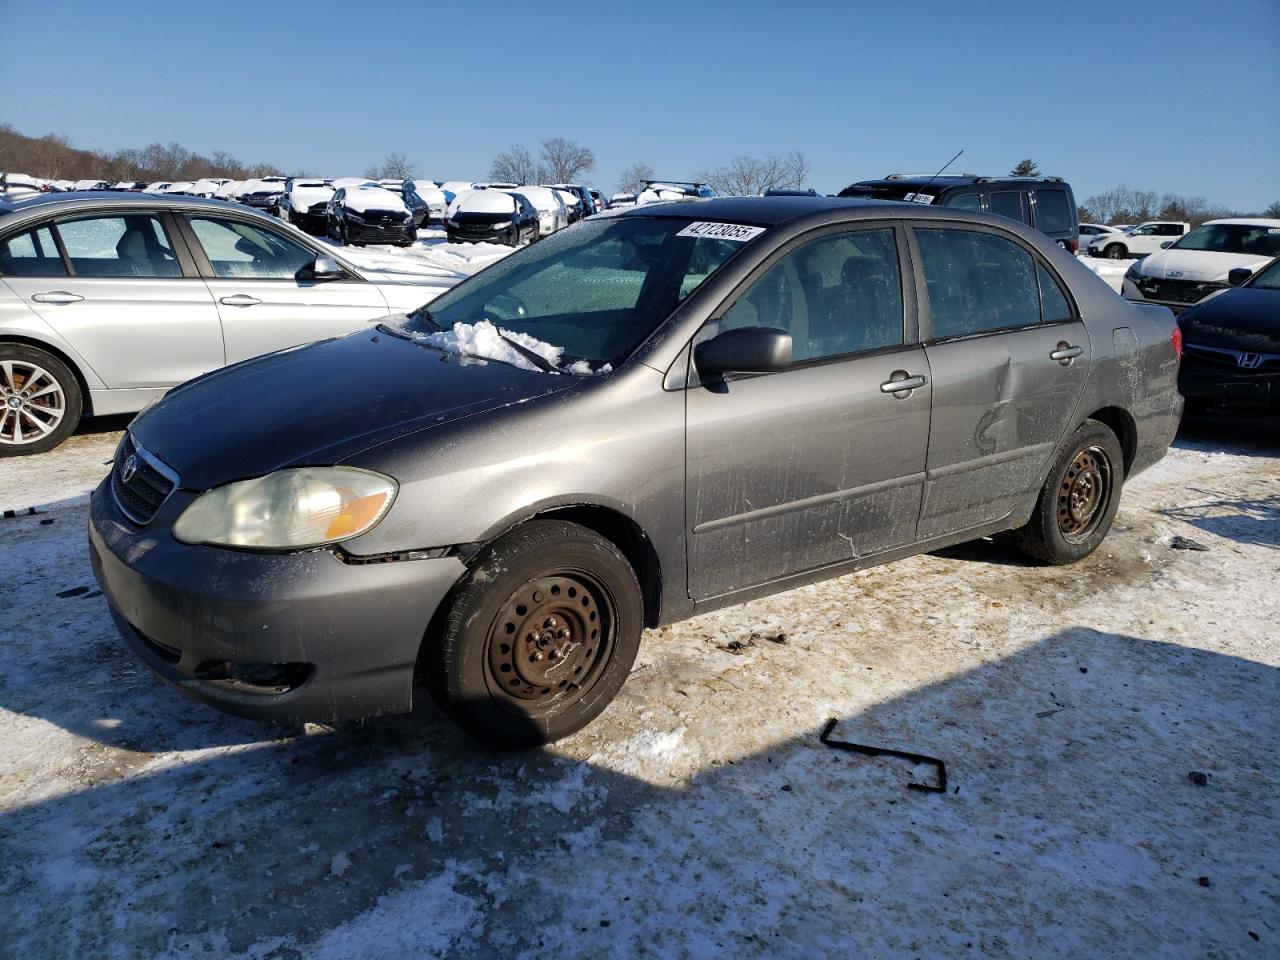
1066 353
239 300
902 382
56 296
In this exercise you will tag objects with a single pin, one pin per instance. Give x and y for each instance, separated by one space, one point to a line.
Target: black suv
1045 203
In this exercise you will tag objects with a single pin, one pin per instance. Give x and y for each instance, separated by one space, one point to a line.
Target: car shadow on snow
1070 826
1254 522
1241 434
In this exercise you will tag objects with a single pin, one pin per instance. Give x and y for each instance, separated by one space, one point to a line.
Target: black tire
1068 524
23 413
1116 251
557 674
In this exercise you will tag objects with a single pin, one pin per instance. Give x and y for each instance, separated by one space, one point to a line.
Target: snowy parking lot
1109 732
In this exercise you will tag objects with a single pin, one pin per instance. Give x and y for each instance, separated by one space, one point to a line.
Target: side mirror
1166 244
745 350
1238 276
325 268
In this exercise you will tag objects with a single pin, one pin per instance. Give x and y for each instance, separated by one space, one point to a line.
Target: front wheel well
627 535
86 398
1121 424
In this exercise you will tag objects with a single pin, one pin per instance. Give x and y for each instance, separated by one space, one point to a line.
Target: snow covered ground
1112 271
699 816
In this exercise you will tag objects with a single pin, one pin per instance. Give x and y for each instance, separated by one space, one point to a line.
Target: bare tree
632 179
1273 212
564 160
1025 168
395 166
749 176
516 165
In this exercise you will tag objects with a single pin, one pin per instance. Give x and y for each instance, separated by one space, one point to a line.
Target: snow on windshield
484 339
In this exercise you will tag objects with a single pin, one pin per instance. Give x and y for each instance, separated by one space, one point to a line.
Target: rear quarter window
1053 212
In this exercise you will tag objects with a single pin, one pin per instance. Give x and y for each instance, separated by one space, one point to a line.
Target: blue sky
1178 95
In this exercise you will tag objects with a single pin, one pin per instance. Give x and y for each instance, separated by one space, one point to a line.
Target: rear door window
1055 305
31 254
1008 203
977 283
1053 212
129 245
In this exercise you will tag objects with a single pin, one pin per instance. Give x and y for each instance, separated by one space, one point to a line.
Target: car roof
52 204
1245 221
775 211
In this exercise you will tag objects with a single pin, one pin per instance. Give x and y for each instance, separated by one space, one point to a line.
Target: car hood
1241 319
322 403
1199 265
306 196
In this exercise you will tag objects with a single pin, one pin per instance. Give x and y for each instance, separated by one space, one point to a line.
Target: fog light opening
264 678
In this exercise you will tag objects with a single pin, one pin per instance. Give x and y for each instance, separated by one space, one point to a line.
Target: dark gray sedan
642 418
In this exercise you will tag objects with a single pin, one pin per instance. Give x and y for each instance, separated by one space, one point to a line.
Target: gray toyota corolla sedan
642 418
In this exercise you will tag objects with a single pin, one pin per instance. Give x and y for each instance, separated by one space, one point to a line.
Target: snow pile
483 339
1112 271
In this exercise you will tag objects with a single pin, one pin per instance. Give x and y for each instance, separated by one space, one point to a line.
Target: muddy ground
700 816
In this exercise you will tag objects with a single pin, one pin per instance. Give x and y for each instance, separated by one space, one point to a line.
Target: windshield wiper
537 359
425 314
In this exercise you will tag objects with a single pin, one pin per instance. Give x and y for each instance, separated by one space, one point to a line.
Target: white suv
1137 241
1198 264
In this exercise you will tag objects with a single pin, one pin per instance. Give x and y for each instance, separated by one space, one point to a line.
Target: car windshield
583 298
1247 238
1268 278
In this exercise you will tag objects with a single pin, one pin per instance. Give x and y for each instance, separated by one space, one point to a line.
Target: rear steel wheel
1083 494
1079 498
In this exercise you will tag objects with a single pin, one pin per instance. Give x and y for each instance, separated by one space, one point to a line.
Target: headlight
500 225
1133 273
352 215
290 509
451 222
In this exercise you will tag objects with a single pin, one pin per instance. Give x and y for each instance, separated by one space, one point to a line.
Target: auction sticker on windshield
721 231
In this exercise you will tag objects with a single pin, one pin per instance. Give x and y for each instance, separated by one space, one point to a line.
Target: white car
305 202
1090 231
227 190
457 186
18 186
1195 266
434 197
262 193
158 186
91 185
182 187
133 318
207 186
1137 241
553 215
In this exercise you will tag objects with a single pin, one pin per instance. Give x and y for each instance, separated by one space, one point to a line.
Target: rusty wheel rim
550 642
1083 494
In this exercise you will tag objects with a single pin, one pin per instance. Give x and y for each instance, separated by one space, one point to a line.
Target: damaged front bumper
287 637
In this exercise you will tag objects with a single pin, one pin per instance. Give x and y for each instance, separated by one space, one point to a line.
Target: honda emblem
1249 361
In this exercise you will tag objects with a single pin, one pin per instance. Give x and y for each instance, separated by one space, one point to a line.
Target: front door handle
1066 353
901 383
56 296
239 300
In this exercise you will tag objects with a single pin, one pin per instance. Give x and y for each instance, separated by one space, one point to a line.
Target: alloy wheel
32 402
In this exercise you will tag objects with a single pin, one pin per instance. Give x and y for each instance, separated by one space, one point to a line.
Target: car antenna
940 169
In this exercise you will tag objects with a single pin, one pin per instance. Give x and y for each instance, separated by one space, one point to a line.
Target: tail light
1176 339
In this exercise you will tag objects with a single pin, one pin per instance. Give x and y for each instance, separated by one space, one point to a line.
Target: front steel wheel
538 638
40 400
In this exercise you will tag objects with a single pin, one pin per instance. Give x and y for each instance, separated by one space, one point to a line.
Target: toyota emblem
129 469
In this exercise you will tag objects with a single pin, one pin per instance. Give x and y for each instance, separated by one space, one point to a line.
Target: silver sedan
108 300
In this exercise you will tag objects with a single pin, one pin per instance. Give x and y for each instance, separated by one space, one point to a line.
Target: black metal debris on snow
940 787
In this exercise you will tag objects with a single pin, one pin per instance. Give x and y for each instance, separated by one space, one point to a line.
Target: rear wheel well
625 534
86 398
1122 425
